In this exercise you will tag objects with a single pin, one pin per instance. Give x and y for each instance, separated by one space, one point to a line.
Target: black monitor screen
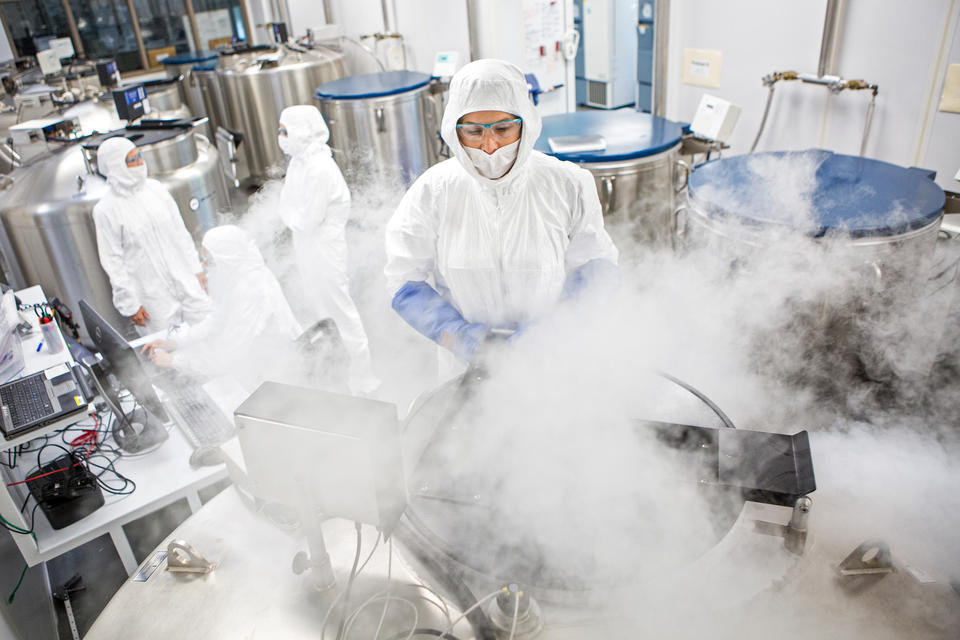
121 360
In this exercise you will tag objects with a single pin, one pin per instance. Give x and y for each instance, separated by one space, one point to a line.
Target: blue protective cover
817 192
192 57
372 85
629 134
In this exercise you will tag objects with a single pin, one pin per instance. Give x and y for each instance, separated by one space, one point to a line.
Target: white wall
429 26
941 150
895 44
6 51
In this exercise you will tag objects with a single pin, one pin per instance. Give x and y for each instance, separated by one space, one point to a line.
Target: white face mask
138 173
494 165
285 145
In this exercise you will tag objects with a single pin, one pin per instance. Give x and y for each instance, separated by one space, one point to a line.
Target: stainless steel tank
185 65
383 126
46 208
634 160
257 84
866 231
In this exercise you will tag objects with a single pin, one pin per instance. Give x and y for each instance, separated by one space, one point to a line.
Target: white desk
162 477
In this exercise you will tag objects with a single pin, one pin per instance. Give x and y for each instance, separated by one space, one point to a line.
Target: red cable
85 437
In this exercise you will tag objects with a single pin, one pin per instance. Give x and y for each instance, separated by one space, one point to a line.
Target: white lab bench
162 477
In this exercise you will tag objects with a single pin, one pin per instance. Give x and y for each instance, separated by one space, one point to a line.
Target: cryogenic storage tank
382 125
46 208
258 83
633 157
184 64
508 489
869 226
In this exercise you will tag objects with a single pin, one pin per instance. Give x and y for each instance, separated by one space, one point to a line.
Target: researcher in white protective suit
315 205
144 246
251 326
494 237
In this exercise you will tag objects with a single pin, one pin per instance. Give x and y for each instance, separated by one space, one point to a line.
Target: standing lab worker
494 237
315 205
251 327
144 246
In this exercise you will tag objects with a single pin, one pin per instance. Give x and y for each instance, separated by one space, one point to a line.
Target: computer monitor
123 363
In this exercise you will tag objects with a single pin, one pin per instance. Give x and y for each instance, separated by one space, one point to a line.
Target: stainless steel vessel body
634 160
46 209
256 86
638 196
391 138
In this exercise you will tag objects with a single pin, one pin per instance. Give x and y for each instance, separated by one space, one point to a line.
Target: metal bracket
182 558
870 558
794 533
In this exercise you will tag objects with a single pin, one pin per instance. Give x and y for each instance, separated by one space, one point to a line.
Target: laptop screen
122 361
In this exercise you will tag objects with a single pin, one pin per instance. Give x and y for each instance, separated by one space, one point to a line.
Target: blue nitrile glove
596 272
520 331
429 313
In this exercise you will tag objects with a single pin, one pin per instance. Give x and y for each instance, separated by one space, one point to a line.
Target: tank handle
684 171
678 227
381 121
608 194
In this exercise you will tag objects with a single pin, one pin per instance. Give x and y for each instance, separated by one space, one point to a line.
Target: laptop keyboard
27 400
200 419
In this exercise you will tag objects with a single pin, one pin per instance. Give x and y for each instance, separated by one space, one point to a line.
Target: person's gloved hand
435 317
464 341
597 273
520 332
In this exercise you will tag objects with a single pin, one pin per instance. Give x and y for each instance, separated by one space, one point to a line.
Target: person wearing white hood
144 246
251 323
315 205
494 237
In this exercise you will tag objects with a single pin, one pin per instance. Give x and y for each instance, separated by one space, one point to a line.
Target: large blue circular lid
191 57
627 134
816 192
372 85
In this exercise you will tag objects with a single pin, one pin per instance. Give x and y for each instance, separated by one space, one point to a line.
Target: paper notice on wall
701 67
213 25
543 35
950 100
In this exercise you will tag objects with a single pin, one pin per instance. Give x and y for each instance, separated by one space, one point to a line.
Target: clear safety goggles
282 131
134 159
501 131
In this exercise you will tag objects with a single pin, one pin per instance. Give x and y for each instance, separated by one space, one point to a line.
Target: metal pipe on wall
74 32
831 33
661 32
473 22
134 20
386 17
327 12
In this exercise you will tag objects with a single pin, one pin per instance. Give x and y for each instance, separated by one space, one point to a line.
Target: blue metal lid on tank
626 134
372 85
190 57
816 192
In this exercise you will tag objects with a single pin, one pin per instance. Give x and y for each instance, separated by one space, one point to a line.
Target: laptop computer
40 399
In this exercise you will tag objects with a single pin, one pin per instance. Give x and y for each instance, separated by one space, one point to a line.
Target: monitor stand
137 431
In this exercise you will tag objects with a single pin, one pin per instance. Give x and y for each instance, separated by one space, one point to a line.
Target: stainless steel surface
638 196
828 41
871 558
166 101
661 37
327 12
257 86
254 594
392 139
48 236
211 94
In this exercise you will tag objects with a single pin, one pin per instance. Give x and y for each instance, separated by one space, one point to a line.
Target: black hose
727 422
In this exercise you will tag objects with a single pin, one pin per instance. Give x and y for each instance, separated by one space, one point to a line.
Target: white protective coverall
251 323
144 246
499 250
315 205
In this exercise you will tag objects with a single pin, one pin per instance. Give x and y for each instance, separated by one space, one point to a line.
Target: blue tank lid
628 134
206 66
372 85
816 192
191 57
